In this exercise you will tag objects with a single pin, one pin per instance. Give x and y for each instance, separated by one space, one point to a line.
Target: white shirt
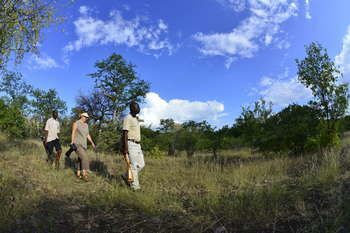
132 125
53 128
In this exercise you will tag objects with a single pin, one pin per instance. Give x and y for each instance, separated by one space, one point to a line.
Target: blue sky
205 59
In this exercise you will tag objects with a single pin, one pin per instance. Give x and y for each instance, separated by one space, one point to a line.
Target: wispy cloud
259 29
42 62
343 58
307 9
236 5
136 32
180 110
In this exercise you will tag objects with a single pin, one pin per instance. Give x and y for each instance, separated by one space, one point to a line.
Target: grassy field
239 192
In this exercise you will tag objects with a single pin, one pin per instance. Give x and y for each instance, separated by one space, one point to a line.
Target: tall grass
239 192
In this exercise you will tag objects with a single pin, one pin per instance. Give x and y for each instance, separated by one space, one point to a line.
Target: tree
191 135
117 80
317 72
97 105
295 130
250 122
44 102
169 134
12 121
21 23
14 88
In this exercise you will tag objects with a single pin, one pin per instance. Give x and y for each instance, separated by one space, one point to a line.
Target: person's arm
74 130
59 128
92 142
125 142
46 131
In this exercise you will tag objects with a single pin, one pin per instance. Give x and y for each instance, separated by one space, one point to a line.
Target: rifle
128 168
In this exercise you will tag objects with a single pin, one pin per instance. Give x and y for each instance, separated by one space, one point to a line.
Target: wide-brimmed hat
84 114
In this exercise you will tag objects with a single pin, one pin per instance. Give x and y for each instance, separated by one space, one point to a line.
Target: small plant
155 153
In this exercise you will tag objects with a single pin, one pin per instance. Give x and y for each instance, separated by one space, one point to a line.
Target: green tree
15 89
319 73
169 134
21 23
43 103
117 80
250 122
191 136
294 130
12 121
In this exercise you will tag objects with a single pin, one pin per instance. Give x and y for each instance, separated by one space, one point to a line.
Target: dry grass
239 192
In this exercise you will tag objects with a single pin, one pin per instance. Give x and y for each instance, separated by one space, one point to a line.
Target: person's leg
58 153
49 147
141 159
84 161
79 168
136 162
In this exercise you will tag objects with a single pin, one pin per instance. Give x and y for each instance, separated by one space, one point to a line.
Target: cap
84 114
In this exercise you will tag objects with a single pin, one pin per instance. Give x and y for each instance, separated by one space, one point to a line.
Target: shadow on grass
96 165
61 215
101 169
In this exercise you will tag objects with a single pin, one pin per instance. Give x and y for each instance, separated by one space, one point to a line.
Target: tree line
296 129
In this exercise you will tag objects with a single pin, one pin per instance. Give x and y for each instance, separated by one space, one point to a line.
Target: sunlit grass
239 190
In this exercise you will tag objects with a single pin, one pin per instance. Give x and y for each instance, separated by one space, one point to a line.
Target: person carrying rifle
80 135
51 140
132 152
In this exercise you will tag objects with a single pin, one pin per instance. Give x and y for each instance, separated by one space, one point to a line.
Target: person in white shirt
52 129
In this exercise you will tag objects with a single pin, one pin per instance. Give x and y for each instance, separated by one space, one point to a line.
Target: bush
155 153
12 121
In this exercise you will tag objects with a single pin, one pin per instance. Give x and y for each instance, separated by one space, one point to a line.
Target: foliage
12 122
250 122
97 105
107 137
21 23
169 130
191 136
294 130
150 139
118 82
155 153
44 102
14 88
317 72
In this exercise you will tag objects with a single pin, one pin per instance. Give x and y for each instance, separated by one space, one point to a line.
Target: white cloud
343 58
307 9
282 92
117 30
259 29
42 62
156 108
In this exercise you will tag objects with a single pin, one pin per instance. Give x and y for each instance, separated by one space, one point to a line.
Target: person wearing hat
51 140
80 135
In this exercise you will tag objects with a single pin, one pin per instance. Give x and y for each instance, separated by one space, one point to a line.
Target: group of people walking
131 147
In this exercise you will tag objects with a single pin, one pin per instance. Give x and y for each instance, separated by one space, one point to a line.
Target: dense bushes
12 122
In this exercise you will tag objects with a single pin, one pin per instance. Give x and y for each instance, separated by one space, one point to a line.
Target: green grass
240 191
